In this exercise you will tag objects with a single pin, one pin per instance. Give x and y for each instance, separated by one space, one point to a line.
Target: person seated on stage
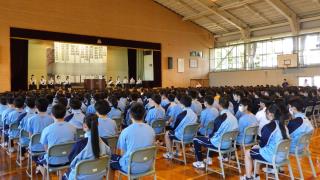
58 81
43 83
76 117
51 83
186 117
155 111
118 82
209 114
90 108
136 136
90 148
32 83
132 82
198 85
110 82
125 82
67 83
173 110
196 106
139 83
115 112
107 127
57 133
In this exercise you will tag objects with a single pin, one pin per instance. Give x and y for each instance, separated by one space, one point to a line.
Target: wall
117 62
142 20
261 77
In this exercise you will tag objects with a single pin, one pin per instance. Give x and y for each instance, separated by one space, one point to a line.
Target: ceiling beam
288 13
256 13
237 4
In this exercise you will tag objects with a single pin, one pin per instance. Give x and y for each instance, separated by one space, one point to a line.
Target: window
305 81
316 81
227 58
309 52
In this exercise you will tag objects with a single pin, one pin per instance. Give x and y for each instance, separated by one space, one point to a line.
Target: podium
95 84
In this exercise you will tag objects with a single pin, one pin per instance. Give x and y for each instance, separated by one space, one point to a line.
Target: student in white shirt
43 83
132 82
261 114
32 83
125 82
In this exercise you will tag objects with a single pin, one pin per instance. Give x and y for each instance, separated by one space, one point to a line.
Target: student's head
171 97
41 104
102 107
18 102
155 100
58 112
193 94
30 102
50 98
91 125
134 96
63 100
3 100
10 100
208 101
295 105
113 101
186 101
224 103
75 103
274 114
137 112
245 105
237 96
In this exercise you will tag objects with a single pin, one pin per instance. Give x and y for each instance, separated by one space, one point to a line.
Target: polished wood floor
167 169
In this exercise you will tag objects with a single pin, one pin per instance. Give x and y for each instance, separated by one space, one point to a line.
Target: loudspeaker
170 63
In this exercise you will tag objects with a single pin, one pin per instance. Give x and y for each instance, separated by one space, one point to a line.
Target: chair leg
208 152
255 169
290 171
237 159
267 174
184 153
154 176
221 165
119 176
299 166
276 173
312 167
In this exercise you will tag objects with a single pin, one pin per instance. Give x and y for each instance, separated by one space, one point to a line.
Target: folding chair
142 155
231 137
80 134
59 150
189 132
302 150
308 112
35 139
282 149
94 166
209 128
12 128
250 131
118 122
316 115
112 142
23 134
159 124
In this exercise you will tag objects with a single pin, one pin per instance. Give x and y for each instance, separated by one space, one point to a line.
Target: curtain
140 64
132 61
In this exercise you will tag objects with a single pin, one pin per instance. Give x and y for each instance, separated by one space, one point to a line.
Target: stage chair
226 137
94 166
189 132
23 134
141 156
35 139
282 149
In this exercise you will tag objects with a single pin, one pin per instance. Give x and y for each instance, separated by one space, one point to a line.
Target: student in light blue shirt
57 133
39 121
164 101
207 115
173 110
196 106
247 119
90 108
122 104
107 127
157 112
49 97
90 148
76 117
7 111
127 121
3 106
136 136
114 112
186 117
299 124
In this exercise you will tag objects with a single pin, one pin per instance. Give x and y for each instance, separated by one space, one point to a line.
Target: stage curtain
19 64
140 64
132 61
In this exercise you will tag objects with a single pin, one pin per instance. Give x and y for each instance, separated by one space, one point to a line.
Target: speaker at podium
95 84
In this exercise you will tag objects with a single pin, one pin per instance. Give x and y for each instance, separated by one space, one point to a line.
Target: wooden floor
167 169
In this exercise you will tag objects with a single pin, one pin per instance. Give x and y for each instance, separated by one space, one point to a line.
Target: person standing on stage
67 83
139 83
58 81
125 82
51 83
110 82
33 83
118 82
43 83
132 82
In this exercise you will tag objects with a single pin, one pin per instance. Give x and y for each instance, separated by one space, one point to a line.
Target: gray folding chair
80 134
316 115
94 166
161 124
12 127
23 134
308 112
142 155
118 122
282 149
302 150
231 137
250 131
59 150
35 139
189 132
209 128
112 142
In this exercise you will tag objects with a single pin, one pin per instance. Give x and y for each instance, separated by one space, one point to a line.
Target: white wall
261 77
117 62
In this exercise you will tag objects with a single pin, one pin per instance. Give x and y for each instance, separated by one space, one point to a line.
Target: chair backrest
93 166
24 134
251 131
316 110
282 151
35 139
210 126
14 126
1 122
112 142
143 155
230 136
80 134
303 142
308 110
60 150
159 123
189 132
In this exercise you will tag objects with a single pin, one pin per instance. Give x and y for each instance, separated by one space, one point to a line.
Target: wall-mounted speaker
170 63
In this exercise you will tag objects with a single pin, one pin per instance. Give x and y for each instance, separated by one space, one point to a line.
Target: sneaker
177 154
224 159
244 177
271 170
11 150
208 161
168 155
4 144
22 158
198 165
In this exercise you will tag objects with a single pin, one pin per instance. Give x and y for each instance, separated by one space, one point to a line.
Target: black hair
102 107
63 101
137 111
50 98
42 104
224 102
297 103
186 101
114 101
209 100
75 103
91 121
278 116
3 100
30 102
18 102
59 111
10 99
171 97
134 96
193 94
156 98
246 102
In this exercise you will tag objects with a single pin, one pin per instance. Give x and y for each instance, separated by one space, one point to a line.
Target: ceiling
244 17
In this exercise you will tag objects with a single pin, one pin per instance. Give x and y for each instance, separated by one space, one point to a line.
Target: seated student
173 110
236 101
195 105
49 97
57 133
261 114
122 103
90 108
207 115
299 125
76 117
156 112
39 121
114 112
15 116
271 134
247 119
133 98
224 123
131 139
107 127
3 106
164 101
186 117
89 148
4 115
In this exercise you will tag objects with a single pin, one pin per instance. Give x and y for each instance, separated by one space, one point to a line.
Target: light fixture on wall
99 41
